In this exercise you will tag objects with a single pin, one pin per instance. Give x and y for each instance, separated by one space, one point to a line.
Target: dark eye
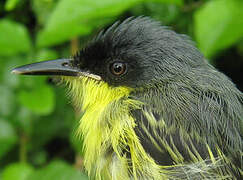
118 68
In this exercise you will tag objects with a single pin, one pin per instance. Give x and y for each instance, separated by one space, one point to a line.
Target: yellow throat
108 128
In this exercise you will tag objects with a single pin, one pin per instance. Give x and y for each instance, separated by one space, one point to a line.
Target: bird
152 105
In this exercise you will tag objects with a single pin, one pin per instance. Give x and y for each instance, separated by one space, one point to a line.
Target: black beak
59 67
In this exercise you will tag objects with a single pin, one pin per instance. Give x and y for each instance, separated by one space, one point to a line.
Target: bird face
136 53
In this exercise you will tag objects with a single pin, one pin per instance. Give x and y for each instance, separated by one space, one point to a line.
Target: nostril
65 64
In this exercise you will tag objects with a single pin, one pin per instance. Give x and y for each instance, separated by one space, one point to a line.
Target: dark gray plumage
177 85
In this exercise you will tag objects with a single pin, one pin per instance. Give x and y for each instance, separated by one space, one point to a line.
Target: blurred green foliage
37 122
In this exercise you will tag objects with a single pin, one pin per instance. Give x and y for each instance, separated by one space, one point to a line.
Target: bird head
136 53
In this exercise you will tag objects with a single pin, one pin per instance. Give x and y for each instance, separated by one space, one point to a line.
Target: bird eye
118 68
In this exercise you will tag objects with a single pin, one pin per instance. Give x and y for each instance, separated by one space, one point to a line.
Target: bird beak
59 67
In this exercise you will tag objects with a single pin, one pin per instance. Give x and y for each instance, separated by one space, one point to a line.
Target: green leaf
72 18
39 158
7 100
46 54
24 120
166 13
177 2
11 4
58 170
43 9
60 123
40 100
17 171
8 137
14 38
218 25
9 79
240 48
